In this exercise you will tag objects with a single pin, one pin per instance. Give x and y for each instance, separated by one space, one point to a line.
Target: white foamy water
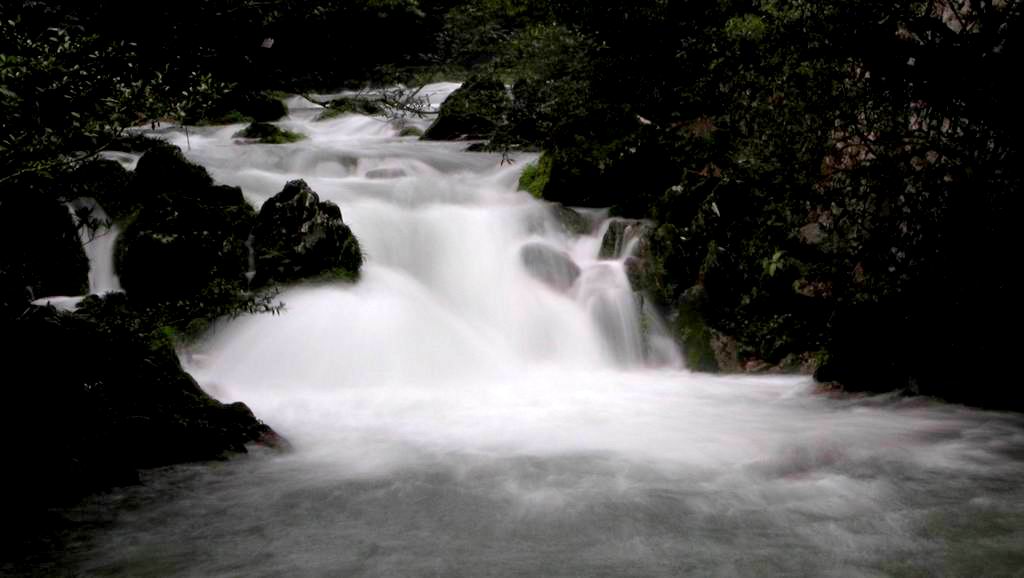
454 415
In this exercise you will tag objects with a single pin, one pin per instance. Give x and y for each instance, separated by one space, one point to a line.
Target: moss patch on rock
535 176
267 133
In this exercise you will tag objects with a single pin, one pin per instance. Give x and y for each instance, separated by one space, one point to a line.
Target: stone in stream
298 236
549 265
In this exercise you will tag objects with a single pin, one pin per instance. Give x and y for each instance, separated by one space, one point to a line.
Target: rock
269 134
348 105
549 265
692 332
165 170
620 233
42 252
104 402
411 131
385 174
571 221
242 106
297 235
188 236
534 177
472 112
262 107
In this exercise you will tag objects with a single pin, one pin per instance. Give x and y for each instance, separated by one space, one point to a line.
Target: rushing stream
453 415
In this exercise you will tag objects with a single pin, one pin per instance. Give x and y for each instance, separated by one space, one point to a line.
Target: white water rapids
453 416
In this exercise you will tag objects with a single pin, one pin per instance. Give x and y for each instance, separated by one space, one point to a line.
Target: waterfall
491 397
99 244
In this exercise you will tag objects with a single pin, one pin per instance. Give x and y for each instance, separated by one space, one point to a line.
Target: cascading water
98 242
99 246
489 399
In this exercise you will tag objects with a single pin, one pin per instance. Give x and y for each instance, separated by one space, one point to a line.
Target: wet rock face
103 402
620 233
472 112
297 236
549 265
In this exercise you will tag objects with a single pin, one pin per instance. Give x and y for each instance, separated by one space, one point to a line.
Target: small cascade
492 397
99 243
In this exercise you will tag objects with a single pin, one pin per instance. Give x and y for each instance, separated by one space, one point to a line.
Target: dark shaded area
93 403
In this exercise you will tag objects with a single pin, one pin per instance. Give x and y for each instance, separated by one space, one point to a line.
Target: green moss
535 176
696 339
411 131
269 134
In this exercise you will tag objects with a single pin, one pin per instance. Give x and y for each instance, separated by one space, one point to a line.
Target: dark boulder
269 134
42 252
242 106
297 236
165 170
189 235
349 105
549 265
473 112
101 402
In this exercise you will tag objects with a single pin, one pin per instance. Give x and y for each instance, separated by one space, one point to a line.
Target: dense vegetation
829 183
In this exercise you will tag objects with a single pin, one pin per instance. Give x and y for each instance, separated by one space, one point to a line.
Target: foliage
833 176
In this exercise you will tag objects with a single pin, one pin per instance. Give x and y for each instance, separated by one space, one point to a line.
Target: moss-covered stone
241 106
187 234
269 134
350 105
299 236
165 170
472 112
535 176
95 403
410 131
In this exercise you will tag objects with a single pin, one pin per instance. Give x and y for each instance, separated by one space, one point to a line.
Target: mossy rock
473 112
187 233
269 134
238 107
165 170
348 105
693 333
534 177
298 236
411 131
114 403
